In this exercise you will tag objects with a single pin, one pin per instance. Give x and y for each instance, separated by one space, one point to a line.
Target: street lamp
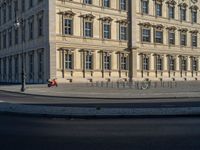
20 22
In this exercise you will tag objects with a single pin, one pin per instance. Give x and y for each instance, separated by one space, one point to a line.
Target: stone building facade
165 39
99 40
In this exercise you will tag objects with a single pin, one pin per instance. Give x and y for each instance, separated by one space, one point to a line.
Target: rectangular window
194 40
106 3
68 26
183 39
159 37
4 40
10 11
40 65
16 68
172 64
171 12
89 61
87 1
30 3
123 5
194 65
16 36
106 31
159 64
107 62
40 26
124 63
158 9
23 5
146 35
183 14
10 69
88 29
171 38
68 61
145 6
31 30
10 37
123 32
194 17
184 64
31 66
145 63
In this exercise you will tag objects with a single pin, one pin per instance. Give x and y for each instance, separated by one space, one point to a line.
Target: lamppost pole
20 22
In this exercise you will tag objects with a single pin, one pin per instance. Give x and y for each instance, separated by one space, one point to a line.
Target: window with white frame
123 32
172 63
183 39
184 64
183 14
107 61
158 9
171 12
124 62
159 65
194 39
123 4
106 30
145 63
146 35
171 36
87 1
194 64
106 3
158 36
145 6
88 29
68 26
89 61
69 61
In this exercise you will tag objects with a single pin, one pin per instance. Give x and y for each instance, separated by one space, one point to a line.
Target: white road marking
1 101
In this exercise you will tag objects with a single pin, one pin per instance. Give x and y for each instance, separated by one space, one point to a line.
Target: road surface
31 133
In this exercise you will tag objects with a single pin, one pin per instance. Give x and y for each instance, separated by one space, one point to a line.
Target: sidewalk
87 91
188 90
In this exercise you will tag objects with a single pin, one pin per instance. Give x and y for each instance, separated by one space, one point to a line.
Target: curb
111 98
86 112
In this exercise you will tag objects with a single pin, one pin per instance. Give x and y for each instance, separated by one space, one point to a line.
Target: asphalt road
30 133
7 97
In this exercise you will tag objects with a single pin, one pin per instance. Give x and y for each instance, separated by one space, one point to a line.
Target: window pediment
183 30
171 2
68 13
106 19
158 26
123 21
194 31
171 28
194 7
89 17
145 24
183 5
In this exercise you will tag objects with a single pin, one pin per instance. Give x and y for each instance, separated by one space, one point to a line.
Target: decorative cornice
183 5
194 31
145 24
106 19
123 21
171 28
68 13
158 26
88 16
183 30
171 2
194 7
